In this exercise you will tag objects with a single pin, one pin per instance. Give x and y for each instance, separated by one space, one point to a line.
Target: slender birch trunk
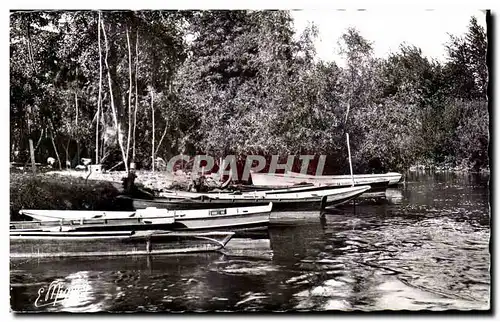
161 139
55 150
129 94
100 92
32 65
36 146
348 108
76 126
103 139
153 139
113 109
66 150
136 97
39 139
166 125
30 50
76 98
32 156
76 109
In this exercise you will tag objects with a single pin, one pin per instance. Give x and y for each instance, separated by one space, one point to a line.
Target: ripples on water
425 247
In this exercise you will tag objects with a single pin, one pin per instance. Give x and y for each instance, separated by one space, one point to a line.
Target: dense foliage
161 83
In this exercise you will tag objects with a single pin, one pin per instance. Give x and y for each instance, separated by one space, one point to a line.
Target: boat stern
394 178
348 194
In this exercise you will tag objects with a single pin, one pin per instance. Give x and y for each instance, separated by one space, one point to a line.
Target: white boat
254 216
392 177
291 178
55 215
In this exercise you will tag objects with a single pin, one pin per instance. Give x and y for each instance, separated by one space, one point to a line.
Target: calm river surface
425 247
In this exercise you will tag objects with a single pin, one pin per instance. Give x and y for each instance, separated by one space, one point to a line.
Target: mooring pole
350 161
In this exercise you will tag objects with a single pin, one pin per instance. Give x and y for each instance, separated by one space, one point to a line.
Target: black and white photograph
229 160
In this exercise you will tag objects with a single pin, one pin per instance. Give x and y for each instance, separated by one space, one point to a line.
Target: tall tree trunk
39 139
129 94
66 150
348 107
30 51
153 138
136 97
103 138
76 98
55 150
166 124
32 156
32 65
115 118
161 139
36 146
100 92
76 126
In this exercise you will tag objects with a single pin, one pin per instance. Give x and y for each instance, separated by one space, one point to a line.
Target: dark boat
376 186
47 243
289 200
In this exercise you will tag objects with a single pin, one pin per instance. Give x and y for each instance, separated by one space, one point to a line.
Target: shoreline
449 169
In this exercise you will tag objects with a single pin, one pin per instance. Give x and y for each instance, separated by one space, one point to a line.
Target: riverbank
446 167
48 191
157 181
81 190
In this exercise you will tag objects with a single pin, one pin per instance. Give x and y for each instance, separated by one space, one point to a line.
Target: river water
426 247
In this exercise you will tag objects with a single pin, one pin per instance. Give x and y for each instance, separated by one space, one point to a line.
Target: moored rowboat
287 200
54 215
292 178
376 186
42 244
158 218
392 177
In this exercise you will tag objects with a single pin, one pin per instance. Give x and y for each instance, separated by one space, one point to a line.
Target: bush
29 191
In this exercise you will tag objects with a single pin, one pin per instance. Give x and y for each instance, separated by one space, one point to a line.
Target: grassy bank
28 191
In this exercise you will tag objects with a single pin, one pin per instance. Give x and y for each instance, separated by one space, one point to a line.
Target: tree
467 63
237 82
230 82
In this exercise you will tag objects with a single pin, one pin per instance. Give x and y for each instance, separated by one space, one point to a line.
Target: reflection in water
425 247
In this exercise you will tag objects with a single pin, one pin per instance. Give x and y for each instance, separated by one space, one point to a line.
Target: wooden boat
251 188
286 200
376 186
59 221
291 178
159 218
393 177
55 215
42 243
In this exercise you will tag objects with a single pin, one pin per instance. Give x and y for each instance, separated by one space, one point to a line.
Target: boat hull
252 220
283 204
208 218
286 201
292 178
392 177
77 244
377 186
